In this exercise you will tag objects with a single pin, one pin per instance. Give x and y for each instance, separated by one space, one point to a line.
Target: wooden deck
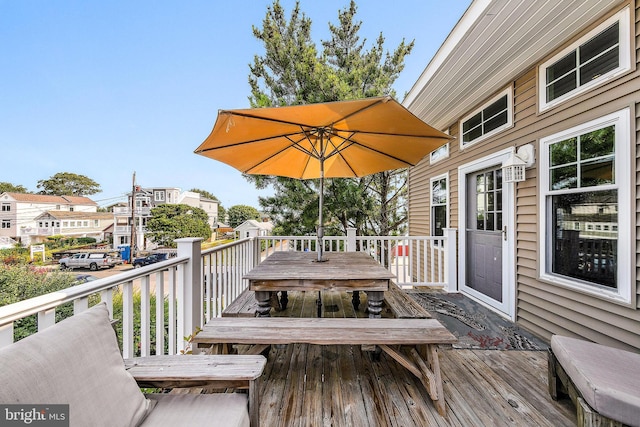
312 385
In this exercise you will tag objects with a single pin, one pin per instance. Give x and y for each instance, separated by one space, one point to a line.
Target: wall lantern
513 169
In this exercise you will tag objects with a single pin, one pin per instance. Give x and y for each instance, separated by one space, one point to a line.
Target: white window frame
624 60
444 176
622 122
509 93
158 196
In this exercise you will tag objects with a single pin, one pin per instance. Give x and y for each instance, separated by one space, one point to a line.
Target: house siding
542 307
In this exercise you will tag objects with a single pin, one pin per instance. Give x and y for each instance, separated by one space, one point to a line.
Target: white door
487 234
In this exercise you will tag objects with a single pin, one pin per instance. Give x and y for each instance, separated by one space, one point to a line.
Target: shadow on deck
311 385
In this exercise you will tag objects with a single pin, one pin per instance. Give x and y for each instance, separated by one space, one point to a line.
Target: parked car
84 278
150 259
91 260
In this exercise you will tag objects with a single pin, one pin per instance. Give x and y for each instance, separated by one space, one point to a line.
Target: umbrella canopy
334 140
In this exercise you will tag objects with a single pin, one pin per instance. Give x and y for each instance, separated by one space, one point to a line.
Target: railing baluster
46 318
159 313
145 320
171 298
6 334
127 320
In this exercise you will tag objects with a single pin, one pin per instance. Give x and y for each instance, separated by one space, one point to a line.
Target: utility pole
133 219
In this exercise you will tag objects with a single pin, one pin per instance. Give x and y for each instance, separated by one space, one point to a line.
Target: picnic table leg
284 300
374 303
264 303
355 300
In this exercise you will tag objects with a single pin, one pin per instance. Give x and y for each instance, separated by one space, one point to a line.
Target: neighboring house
75 224
18 213
253 228
558 251
145 200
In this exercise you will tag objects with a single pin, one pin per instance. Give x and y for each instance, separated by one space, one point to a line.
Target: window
489 200
158 196
586 180
490 119
439 153
6 223
96 223
439 204
594 59
6 207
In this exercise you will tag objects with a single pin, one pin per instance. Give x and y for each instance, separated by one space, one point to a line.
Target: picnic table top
290 265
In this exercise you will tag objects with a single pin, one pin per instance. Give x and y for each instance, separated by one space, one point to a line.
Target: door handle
504 233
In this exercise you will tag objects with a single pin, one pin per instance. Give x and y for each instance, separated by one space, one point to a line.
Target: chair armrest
196 370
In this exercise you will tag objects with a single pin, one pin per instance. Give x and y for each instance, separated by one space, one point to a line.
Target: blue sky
106 88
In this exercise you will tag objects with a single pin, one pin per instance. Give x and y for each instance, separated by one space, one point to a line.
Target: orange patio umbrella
343 139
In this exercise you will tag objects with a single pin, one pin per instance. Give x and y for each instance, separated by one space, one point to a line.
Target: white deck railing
196 286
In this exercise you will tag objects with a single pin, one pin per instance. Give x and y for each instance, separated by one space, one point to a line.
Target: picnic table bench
396 300
422 336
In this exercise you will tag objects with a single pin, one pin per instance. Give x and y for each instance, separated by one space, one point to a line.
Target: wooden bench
422 336
220 371
601 381
402 306
246 305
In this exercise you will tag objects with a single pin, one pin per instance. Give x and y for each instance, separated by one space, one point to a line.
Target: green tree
68 184
241 213
291 72
170 222
7 187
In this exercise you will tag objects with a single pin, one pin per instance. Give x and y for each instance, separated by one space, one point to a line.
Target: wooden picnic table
300 271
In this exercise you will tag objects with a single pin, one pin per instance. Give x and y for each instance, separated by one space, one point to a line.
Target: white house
253 228
18 213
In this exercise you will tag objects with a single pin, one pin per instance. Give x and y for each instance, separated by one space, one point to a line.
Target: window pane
490 181
603 41
472 122
562 86
597 143
596 173
599 66
498 221
564 177
491 205
585 253
563 152
495 108
439 218
496 122
439 191
490 221
499 179
474 134
561 67
498 200
480 184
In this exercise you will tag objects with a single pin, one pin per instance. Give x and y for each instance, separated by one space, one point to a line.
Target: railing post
190 298
450 260
351 239
255 247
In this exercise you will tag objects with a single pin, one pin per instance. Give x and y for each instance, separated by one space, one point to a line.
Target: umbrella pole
320 219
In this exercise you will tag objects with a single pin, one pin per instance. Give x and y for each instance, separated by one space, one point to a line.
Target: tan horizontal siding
542 307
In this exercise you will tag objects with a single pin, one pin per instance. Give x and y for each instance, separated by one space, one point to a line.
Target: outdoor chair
77 362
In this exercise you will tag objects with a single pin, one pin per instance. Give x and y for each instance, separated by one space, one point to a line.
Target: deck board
313 385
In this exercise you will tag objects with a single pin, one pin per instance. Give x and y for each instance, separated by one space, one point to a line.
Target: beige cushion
76 362
607 378
219 409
